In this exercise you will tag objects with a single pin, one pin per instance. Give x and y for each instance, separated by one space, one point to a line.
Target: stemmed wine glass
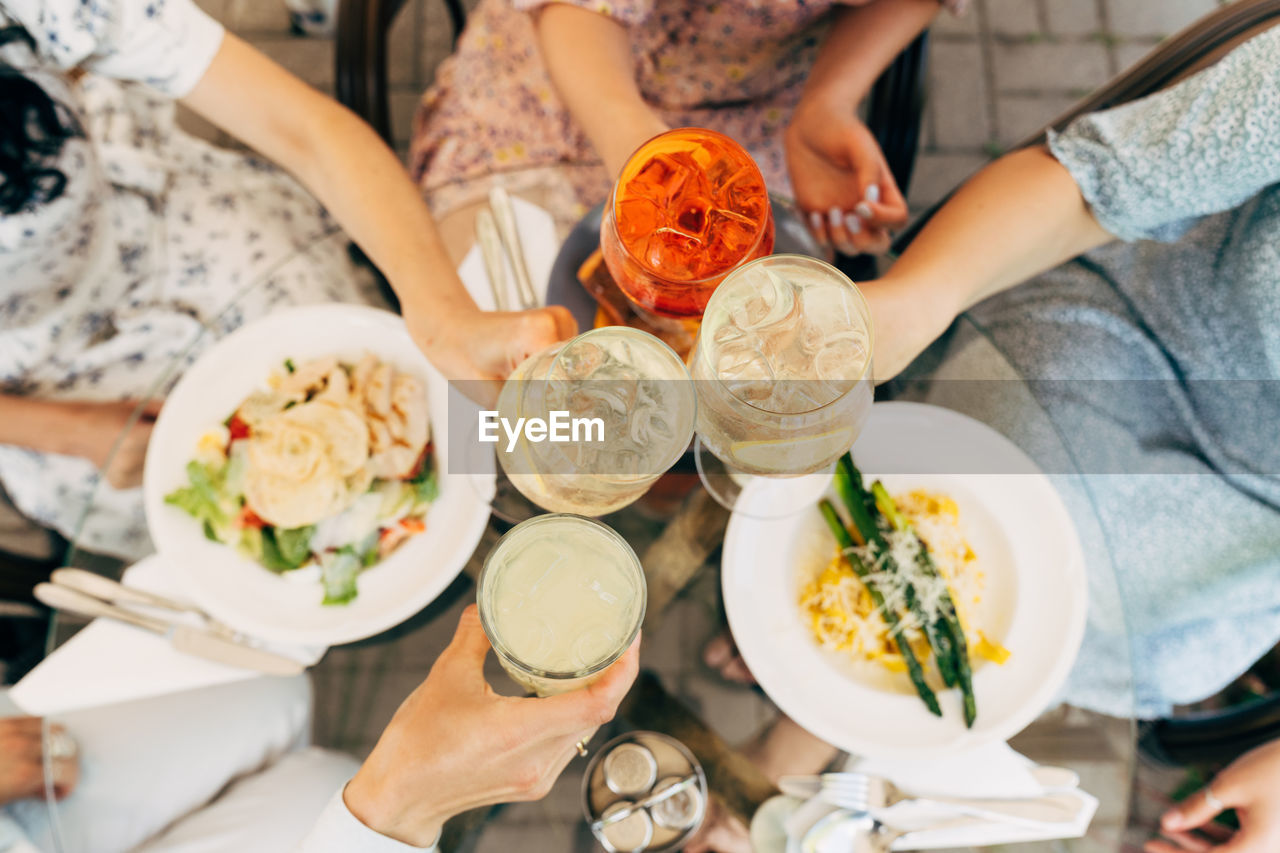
782 369
689 206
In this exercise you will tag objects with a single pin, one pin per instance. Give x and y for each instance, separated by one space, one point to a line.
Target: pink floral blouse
737 66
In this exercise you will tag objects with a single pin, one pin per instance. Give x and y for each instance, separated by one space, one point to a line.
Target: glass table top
677 532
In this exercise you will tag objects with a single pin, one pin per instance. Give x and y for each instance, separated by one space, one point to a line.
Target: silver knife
504 216
114 592
184 638
1050 778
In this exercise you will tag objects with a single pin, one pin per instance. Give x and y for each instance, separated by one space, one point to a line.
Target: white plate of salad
297 475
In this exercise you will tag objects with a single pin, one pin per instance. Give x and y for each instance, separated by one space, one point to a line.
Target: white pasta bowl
1034 601
243 594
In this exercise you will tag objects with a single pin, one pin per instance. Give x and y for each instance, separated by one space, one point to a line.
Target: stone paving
996 76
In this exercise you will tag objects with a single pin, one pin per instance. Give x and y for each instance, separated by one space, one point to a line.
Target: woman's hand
22 761
456 745
479 349
841 180
1251 786
838 172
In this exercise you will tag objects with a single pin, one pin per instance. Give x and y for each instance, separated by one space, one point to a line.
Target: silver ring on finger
1212 799
61 746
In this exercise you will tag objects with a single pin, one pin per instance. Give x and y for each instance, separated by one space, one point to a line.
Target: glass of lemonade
782 366
561 598
689 206
633 384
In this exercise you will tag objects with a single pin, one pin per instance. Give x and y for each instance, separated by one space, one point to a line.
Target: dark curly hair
33 129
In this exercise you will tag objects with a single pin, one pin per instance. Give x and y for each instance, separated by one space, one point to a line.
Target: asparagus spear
914 670
936 631
855 497
948 622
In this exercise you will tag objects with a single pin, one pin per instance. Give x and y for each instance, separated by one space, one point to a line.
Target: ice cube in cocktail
782 367
638 390
689 206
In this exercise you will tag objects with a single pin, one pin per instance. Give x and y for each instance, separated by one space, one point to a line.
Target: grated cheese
839 608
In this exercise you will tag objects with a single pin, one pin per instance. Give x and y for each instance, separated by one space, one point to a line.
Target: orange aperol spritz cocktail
689 207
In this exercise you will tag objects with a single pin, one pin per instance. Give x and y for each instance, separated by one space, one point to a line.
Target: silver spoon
860 828
864 833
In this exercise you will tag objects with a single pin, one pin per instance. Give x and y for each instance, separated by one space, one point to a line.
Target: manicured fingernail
864 210
872 194
835 216
853 223
817 225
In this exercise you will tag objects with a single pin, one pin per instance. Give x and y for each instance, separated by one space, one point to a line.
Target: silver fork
861 792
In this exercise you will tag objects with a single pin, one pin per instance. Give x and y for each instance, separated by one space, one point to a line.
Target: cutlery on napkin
201 642
535 230
108 662
994 773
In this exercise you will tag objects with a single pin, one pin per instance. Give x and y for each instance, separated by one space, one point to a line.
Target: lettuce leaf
285 550
295 544
338 572
201 499
426 487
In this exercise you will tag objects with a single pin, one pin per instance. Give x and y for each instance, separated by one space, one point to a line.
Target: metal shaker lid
630 770
632 833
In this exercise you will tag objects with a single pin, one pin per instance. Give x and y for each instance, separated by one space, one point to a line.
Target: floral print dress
159 244
736 66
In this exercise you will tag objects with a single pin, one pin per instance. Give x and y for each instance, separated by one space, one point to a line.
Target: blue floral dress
1159 361
159 244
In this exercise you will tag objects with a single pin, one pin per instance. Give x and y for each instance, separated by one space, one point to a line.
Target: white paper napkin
990 771
537 236
108 662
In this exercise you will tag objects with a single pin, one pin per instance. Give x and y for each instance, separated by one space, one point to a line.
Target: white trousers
220 769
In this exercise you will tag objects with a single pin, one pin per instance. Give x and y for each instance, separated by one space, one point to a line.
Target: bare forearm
48 426
362 183
588 56
1020 216
343 163
863 40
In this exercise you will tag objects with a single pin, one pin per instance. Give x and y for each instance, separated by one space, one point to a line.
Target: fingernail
864 210
835 216
1171 820
872 194
853 223
818 226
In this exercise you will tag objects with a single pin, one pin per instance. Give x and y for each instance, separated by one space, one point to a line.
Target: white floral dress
159 244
